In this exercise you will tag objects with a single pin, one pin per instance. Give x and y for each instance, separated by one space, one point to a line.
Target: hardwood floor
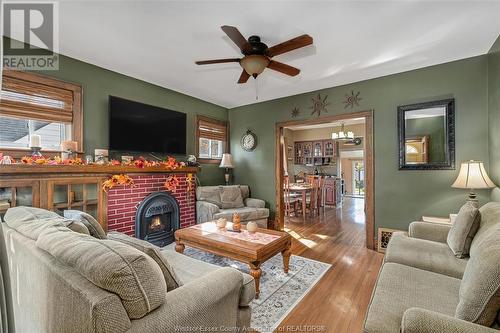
338 302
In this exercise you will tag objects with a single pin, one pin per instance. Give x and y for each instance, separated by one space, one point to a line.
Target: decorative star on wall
295 112
351 100
319 105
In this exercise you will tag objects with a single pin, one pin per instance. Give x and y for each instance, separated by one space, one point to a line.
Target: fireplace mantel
58 187
28 169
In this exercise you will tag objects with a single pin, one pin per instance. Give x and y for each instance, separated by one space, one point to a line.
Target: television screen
138 127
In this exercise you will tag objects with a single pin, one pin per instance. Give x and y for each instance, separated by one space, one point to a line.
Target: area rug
279 292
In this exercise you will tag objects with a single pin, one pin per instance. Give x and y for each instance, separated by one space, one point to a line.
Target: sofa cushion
255 203
151 250
490 218
230 197
480 288
427 255
90 222
188 269
400 287
110 265
31 222
209 194
21 214
246 213
463 230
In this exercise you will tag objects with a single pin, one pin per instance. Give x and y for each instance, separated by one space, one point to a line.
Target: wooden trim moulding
369 168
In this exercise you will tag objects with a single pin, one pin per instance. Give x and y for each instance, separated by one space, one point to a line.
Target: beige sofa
214 202
58 280
423 288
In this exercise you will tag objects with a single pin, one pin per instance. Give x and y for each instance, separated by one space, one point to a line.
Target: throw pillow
76 226
209 194
110 265
88 220
151 250
463 230
231 197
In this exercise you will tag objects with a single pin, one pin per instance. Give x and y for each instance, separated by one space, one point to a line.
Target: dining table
302 189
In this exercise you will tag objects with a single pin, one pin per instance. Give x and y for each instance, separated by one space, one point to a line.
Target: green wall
400 196
434 127
494 115
98 83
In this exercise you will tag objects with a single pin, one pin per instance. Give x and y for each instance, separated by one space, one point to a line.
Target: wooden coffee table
250 248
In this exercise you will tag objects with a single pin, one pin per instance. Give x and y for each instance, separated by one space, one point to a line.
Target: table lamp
226 162
473 176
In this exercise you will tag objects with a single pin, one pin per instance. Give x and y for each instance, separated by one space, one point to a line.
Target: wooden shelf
20 169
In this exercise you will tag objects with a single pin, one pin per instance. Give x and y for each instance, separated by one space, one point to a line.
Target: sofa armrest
209 302
255 203
416 320
429 231
205 211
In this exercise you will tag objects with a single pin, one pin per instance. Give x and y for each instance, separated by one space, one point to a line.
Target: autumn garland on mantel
50 161
115 180
170 163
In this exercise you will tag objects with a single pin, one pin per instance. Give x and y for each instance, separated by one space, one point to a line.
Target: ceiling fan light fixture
254 64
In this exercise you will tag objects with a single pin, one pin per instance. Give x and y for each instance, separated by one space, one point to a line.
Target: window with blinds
34 104
211 139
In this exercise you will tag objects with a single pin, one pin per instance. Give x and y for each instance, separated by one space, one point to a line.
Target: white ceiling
158 41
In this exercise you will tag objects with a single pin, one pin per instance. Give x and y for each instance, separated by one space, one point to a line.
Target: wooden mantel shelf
25 169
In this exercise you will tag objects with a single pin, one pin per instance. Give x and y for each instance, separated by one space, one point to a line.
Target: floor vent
384 235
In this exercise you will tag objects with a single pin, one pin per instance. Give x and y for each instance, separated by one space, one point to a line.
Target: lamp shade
472 175
227 161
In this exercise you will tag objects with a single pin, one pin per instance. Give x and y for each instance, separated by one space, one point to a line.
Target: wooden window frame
77 109
197 138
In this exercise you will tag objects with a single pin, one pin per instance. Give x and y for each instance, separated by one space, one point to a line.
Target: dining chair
321 193
312 196
291 199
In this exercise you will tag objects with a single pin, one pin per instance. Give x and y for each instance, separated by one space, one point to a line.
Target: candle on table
35 140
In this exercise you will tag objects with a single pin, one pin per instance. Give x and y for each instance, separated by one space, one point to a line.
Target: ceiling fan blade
217 61
283 68
243 77
236 37
289 45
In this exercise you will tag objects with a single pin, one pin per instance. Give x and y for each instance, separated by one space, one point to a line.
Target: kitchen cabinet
333 191
320 152
318 148
329 148
330 191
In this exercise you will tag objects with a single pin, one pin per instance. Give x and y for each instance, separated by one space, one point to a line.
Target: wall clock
248 141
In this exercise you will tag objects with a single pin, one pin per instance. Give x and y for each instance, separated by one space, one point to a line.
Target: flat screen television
138 127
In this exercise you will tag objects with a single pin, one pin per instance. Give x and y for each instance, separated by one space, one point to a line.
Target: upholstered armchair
214 202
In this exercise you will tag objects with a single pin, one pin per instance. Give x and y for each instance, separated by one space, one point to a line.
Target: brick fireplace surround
122 201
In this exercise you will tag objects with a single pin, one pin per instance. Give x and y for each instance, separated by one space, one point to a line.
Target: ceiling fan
258 56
